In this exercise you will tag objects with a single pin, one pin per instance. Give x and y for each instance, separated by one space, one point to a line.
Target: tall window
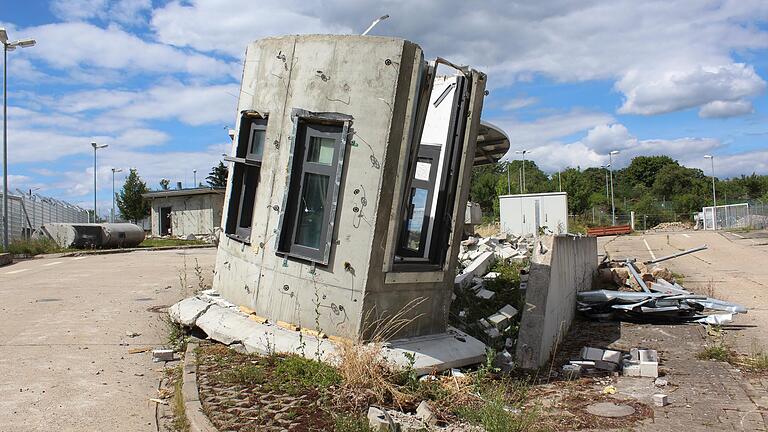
308 220
426 220
245 175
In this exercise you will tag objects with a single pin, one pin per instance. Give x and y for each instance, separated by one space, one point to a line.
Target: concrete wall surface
561 266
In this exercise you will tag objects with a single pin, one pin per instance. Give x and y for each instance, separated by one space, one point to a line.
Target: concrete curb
198 422
126 250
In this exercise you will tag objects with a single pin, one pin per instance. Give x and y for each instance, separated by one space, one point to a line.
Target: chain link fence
26 213
748 215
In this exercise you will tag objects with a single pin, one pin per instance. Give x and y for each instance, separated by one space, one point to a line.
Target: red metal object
609 230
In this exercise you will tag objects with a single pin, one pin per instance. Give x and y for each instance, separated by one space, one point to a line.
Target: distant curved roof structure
492 144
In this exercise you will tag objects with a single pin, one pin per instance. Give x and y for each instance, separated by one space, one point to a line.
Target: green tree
483 188
643 169
217 178
132 205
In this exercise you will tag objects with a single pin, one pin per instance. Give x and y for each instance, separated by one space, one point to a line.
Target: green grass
160 242
351 423
34 247
180 422
247 374
306 373
717 352
500 411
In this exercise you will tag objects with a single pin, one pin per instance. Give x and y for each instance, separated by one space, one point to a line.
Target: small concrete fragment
499 321
606 366
611 356
660 400
380 421
593 354
571 371
159 355
425 414
485 294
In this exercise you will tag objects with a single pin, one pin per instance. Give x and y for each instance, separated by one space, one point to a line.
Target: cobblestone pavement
703 394
245 408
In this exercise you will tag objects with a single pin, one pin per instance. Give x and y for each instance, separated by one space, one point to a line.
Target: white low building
181 212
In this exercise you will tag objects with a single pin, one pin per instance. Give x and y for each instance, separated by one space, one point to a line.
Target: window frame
245 177
307 124
445 186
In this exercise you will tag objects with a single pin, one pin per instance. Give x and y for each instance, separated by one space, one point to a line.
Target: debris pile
673 226
650 294
596 361
488 290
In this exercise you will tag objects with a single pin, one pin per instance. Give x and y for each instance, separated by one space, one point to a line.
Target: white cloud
210 25
720 109
83 47
673 90
122 11
517 103
664 56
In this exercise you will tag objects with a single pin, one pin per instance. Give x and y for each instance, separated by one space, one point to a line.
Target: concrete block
508 311
660 400
187 311
437 352
583 363
612 356
493 333
505 252
379 421
593 354
606 366
485 294
425 414
462 280
479 265
648 356
571 371
159 355
491 275
499 321
631 370
649 370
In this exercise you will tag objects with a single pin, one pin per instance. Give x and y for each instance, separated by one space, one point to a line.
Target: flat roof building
185 212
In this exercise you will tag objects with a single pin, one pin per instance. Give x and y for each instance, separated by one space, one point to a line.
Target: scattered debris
139 350
660 400
159 401
673 226
132 334
159 355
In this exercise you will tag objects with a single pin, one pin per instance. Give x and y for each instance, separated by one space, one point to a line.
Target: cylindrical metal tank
90 235
121 235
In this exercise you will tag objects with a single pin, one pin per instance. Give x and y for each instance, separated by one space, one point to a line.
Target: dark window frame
445 187
246 172
307 125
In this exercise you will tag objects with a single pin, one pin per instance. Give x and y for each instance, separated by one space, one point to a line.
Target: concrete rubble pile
673 226
637 362
478 253
648 293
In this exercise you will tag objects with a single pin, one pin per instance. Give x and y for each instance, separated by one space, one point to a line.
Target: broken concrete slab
592 354
485 294
439 352
508 311
187 311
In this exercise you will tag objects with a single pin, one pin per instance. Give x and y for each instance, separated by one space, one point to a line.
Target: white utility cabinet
526 213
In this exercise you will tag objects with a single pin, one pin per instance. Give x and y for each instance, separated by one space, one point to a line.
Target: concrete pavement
733 268
64 344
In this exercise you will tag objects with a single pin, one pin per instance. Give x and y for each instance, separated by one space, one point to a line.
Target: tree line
657 187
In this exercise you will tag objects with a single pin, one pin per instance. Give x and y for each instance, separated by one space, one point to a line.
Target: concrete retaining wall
561 266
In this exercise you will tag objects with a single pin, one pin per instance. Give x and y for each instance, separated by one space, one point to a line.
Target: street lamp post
523 152
605 167
95 147
714 195
560 180
7 46
613 206
114 170
509 187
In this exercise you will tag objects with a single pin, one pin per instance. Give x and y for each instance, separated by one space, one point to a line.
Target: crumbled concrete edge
5 259
193 409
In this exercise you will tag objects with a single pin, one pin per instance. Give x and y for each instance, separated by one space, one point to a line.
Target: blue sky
570 81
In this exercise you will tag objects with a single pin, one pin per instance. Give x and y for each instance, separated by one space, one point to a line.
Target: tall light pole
523 152
95 147
194 177
114 170
7 46
605 167
714 195
613 207
560 180
509 188
373 24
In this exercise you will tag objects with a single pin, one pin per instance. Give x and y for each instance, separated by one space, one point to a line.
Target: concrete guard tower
348 182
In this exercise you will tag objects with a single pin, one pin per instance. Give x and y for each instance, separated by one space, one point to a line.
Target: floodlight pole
114 170
95 147
714 195
7 46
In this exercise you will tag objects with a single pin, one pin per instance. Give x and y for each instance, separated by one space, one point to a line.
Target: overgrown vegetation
161 242
33 247
717 351
180 422
657 188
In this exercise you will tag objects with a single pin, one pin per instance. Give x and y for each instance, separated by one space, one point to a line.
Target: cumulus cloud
517 103
721 109
664 56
